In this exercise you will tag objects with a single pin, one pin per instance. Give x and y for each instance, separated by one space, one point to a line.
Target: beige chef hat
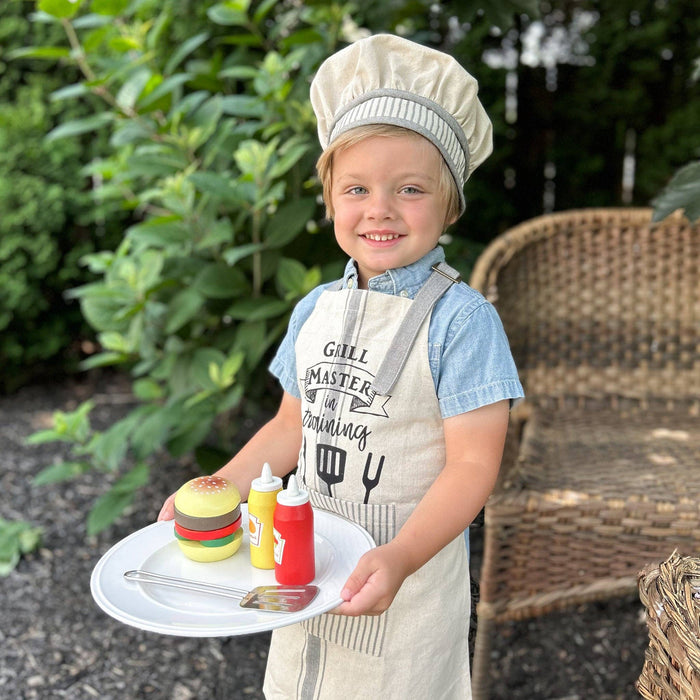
385 79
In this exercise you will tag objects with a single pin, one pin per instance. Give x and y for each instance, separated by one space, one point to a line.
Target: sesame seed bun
203 507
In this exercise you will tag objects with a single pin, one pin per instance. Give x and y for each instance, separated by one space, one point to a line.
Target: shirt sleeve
476 367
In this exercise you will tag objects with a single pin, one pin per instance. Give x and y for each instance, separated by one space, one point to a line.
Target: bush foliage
212 145
48 220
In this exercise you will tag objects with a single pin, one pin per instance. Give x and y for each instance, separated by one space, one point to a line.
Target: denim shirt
469 355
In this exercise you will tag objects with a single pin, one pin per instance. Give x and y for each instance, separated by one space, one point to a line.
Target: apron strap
441 279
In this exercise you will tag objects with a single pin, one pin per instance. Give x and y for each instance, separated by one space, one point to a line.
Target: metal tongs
275 598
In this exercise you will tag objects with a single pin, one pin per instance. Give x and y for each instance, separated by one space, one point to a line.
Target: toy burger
208 518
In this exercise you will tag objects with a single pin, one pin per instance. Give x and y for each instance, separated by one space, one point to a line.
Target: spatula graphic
330 465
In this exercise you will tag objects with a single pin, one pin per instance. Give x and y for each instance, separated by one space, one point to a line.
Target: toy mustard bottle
262 501
295 561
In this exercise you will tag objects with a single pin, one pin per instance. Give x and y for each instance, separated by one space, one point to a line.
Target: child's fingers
357 579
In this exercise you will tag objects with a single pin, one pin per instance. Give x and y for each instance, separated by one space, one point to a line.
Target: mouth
380 236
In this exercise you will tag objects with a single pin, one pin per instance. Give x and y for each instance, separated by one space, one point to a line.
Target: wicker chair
669 593
601 473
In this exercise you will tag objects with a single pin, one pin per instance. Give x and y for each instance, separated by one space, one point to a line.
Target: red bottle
295 561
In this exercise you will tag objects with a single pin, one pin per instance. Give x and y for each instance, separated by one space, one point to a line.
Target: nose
380 206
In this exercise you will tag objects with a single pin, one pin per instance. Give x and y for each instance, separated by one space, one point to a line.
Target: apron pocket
377 518
365 633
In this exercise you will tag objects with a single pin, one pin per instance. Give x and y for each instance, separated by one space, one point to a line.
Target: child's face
388 210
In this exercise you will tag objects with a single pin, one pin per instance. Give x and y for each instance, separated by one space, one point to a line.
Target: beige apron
372 445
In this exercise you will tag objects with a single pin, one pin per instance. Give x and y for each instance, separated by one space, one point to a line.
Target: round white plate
339 545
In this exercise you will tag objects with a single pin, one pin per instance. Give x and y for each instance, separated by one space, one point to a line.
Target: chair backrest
600 304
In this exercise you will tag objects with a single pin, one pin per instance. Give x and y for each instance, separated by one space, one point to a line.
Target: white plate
339 545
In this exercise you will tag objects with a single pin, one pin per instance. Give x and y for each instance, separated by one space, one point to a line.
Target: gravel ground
56 643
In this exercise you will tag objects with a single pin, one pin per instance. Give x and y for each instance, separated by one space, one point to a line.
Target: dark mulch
56 643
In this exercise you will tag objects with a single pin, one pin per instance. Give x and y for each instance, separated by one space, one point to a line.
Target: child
398 376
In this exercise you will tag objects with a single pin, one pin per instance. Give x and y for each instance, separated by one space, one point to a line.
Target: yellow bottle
261 509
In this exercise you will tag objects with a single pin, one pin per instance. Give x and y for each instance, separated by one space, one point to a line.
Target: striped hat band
414 112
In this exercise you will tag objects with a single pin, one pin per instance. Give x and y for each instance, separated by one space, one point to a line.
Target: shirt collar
400 280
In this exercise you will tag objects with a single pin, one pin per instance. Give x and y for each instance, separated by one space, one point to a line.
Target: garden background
160 216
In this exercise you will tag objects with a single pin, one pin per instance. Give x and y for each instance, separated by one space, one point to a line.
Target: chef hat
385 79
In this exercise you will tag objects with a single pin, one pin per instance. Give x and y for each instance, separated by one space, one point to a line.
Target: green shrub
212 146
48 220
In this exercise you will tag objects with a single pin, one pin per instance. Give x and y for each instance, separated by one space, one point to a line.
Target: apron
372 445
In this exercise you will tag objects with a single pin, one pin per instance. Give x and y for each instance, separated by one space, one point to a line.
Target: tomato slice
198 535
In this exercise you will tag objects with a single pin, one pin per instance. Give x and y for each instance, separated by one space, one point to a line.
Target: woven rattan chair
669 592
601 473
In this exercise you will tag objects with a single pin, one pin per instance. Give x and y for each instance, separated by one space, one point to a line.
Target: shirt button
403 293
351 283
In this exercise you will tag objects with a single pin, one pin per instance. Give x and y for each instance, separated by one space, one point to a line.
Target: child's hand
167 512
374 583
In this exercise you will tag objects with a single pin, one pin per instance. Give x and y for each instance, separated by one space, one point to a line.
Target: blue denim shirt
469 355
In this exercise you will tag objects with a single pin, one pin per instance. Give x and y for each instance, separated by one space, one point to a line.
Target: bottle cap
266 482
293 495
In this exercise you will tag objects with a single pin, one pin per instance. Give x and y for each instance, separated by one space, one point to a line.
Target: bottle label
279 546
255 526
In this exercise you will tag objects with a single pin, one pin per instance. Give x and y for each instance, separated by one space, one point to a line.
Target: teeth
377 237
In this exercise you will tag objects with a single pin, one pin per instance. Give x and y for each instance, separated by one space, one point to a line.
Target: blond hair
446 186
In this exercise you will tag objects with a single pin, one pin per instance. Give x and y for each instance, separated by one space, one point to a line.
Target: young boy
397 380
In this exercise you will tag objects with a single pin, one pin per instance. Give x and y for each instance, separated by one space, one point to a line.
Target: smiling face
389 206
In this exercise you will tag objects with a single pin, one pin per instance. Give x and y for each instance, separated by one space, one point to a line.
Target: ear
449 223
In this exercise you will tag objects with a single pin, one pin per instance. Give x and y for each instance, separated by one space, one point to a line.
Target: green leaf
218 233
291 275
76 127
147 390
112 504
62 9
111 340
42 52
104 359
183 307
184 50
71 426
239 72
199 368
160 231
68 92
288 160
243 106
131 90
62 471
263 9
258 309
251 340
289 220
219 281
682 192
232 14
110 447
233 255
190 436
17 537
168 86
212 183
109 7
29 539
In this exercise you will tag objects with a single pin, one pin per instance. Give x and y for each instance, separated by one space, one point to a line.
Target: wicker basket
672 661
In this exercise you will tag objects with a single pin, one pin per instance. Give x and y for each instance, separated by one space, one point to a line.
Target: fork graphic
369 484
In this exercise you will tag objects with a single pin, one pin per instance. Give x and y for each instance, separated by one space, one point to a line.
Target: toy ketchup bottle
295 562
262 501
